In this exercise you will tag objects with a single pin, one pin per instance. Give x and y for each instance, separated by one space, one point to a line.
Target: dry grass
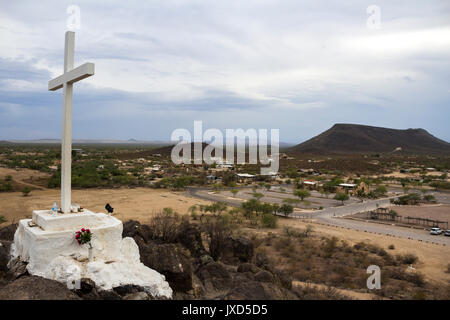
336 263
138 204
433 259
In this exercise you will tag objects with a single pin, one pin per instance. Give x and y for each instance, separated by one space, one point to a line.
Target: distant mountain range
92 141
354 138
340 139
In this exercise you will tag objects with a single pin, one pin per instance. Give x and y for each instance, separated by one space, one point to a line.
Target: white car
435 231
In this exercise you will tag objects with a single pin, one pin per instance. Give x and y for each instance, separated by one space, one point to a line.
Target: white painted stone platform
47 243
69 221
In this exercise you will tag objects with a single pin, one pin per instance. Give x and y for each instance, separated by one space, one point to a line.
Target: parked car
447 233
436 231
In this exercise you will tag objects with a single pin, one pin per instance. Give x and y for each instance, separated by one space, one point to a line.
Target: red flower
77 236
88 231
82 230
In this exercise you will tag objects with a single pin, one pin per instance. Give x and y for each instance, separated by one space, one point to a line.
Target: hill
354 138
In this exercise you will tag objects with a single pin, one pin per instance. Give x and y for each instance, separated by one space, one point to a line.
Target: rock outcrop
172 261
36 288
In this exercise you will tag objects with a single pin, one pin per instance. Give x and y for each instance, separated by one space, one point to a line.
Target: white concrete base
51 251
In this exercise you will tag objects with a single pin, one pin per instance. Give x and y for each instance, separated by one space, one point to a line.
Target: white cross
66 81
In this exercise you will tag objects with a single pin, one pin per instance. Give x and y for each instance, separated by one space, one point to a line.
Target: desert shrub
283 243
3 219
166 225
315 293
8 178
291 232
26 191
448 268
308 230
219 232
391 247
407 258
330 246
429 198
419 295
6 187
409 199
417 278
269 220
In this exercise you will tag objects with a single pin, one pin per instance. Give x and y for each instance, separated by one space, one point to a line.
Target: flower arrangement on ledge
84 236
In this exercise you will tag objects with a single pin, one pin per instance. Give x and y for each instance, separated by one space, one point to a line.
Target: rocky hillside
228 270
353 138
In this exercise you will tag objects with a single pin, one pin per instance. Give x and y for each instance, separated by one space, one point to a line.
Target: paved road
334 216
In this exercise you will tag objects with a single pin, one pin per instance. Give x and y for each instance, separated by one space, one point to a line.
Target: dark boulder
128 289
137 231
108 295
261 259
17 268
205 259
264 276
7 233
237 249
191 238
87 286
172 261
4 254
36 288
214 276
253 290
284 278
248 267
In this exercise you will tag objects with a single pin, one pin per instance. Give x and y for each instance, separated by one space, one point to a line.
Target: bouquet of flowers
84 236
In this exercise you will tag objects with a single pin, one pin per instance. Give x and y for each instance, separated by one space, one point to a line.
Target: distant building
245 177
309 184
347 187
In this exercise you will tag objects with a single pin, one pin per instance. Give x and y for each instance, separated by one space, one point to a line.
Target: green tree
234 192
381 190
286 209
217 208
429 198
341 196
269 220
250 207
302 193
257 195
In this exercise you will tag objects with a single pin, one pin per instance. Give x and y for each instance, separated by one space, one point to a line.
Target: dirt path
349 293
34 186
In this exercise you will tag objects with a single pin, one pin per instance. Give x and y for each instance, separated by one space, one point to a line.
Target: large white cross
66 81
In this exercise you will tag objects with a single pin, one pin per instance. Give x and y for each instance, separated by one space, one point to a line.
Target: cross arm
72 76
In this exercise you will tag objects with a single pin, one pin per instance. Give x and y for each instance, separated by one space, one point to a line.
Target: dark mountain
354 138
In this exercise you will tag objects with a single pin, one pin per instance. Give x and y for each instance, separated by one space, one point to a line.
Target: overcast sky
297 66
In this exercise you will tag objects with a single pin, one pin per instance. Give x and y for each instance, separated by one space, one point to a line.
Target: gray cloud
283 64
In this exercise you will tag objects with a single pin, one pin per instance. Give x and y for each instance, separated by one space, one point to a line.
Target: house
245 177
309 184
347 187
